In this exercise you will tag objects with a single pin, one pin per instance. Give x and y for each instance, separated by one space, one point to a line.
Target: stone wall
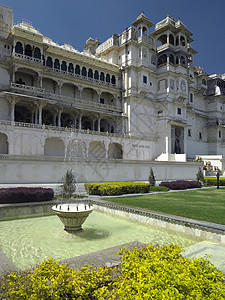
51 170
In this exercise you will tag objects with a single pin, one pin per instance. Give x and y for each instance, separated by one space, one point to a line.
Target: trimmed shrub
158 189
199 175
181 184
213 181
116 188
147 273
24 194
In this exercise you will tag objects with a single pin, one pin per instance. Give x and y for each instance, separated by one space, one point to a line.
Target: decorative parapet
27 58
61 129
23 87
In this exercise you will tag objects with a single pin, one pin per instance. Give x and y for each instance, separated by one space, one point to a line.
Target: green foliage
151 178
213 181
116 188
69 184
147 273
199 175
158 189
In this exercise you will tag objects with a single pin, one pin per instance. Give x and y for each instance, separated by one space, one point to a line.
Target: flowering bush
24 194
198 158
147 273
181 184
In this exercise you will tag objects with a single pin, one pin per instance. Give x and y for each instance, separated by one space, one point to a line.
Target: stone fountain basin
73 215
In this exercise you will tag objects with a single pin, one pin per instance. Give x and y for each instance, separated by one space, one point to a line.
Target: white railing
27 58
70 100
61 129
23 87
148 40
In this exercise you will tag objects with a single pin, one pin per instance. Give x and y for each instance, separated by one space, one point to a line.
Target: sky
74 21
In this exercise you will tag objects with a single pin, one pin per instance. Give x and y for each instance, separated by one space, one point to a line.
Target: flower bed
25 194
181 184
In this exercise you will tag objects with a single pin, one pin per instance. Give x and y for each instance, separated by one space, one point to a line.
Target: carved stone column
59 117
81 91
80 120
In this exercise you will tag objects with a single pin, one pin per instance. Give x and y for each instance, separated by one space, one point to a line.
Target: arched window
162 59
84 71
102 76
71 68
204 81
28 50
171 39
182 41
113 80
37 53
177 60
107 78
171 58
90 73
49 62
177 41
77 69
56 64
163 39
96 75
64 66
182 60
19 48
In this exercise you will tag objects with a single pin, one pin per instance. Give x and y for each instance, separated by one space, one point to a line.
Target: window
102 76
64 66
191 97
219 134
84 71
113 79
96 75
71 68
37 53
150 83
200 135
90 73
101 100
107 78
189 132
203 81
145 79
49 62
56 64
179 111
77 70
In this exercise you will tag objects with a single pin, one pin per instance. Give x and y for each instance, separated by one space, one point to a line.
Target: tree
199 175
151 178
69 184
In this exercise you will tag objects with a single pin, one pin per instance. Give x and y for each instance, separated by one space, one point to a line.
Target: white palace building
110 112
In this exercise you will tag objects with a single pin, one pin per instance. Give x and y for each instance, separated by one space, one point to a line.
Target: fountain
73 215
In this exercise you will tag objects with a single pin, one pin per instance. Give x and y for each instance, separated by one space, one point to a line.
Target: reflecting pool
27 242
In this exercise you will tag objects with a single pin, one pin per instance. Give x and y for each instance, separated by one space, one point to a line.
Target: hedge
116 188
25 194
181 184
213 181
147 273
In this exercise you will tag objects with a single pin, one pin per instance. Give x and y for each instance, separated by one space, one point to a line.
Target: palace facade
135 97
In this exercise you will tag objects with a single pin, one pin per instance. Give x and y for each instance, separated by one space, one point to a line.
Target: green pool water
27 242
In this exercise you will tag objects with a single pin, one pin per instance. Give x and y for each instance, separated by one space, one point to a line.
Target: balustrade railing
70 100
27 58
24 87
61 129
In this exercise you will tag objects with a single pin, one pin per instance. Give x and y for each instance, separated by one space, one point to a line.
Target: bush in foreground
147 273
24 194
181 184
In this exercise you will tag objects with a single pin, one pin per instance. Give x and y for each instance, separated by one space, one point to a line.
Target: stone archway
115 151
54 147
97 150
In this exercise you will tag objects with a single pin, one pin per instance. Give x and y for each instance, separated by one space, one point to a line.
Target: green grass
201 204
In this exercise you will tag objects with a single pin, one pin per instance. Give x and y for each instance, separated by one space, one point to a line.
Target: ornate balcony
27 58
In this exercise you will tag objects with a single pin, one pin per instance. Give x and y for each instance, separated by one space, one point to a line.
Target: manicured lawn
200 204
